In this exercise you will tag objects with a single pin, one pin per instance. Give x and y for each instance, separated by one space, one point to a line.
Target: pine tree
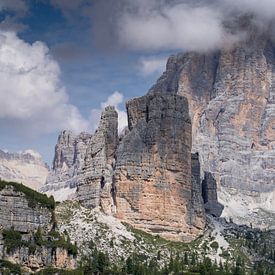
185 261
221 265
193 259
129 265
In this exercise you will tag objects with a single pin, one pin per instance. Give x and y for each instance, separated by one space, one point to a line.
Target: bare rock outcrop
96 185
16 212
231 95
209 195
153 168
198 208
28 232
68 161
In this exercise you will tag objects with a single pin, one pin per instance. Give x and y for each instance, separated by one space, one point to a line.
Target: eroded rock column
153 168
95 187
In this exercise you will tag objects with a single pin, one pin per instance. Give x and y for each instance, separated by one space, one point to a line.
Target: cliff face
142 177
83 164
231 94
153 168
95 187
28 235
68 161
15 211
26 167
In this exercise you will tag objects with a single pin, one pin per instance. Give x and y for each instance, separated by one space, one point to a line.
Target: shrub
214 245
12 268
12 239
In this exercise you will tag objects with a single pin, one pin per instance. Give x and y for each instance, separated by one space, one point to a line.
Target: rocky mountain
152 176
27 167
231 95
142 177
96 186
68 161
198 146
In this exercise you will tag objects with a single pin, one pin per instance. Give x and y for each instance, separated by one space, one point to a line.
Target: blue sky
62 61
88 73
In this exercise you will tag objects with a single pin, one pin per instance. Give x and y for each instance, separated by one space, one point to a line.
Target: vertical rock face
209 195
24 213
27 167
96 184
198 209
15 212
64 151
68 161
231 94
153 168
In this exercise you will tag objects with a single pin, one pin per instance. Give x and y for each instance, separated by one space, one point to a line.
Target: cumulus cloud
151 65
115 99
32 97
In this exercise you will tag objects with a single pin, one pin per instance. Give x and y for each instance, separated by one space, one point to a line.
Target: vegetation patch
7 267
51 271
12 239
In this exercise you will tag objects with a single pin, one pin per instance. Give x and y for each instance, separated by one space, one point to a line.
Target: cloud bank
33 100
157 25
32 97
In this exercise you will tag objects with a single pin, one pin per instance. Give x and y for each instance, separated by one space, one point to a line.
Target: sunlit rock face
15 212
70 152
95 187
26 215
231 96
153 169
25 167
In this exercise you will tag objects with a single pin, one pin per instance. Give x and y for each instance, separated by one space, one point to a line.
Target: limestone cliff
209 195
25 167
68 161
20 212
96 184
28 234
142 177
153 169
231 94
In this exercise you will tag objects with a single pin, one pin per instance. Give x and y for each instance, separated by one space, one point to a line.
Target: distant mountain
25 167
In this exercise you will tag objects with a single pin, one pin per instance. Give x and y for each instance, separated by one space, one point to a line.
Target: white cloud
31 95
194 25
151 65
175 27
115 99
